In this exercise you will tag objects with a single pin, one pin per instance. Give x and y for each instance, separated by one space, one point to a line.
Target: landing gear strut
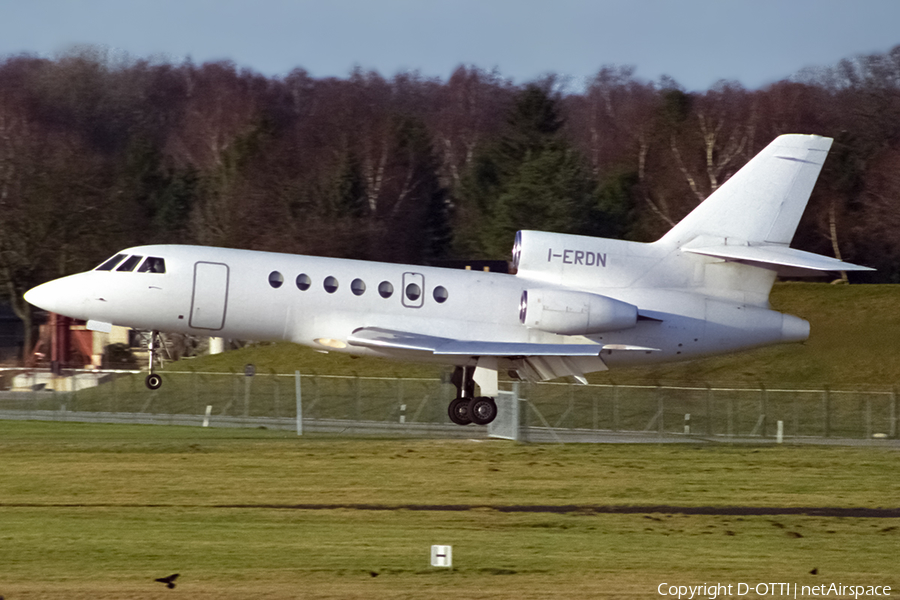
154 380
467 408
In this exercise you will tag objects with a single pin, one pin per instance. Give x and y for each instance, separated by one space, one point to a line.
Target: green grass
853 343
98 511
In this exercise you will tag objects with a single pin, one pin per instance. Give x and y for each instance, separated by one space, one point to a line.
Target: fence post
196 390
317 383
527 424
709 410
615 408
730 416
247 380
660 426
358 393
764 410
868 417
796 405
299 402
518 411
571 399
893 424
235 383
276 398
400 401
115 395
826 401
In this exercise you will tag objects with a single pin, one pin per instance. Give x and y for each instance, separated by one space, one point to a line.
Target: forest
100 151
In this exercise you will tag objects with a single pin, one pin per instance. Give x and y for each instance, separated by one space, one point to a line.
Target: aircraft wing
387 339
785 260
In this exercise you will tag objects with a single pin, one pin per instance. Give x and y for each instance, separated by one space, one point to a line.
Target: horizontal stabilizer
786 261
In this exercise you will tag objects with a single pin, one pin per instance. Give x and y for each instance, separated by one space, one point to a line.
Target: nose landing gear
153 380
466 408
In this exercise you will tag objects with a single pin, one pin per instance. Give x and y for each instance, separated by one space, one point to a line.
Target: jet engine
574 313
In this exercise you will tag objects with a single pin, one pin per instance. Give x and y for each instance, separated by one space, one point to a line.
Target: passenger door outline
209 301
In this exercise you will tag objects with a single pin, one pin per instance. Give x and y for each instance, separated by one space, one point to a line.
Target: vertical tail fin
763 202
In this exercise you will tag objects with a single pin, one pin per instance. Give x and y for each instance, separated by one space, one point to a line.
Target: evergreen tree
421 211
529 179
348 191
159 198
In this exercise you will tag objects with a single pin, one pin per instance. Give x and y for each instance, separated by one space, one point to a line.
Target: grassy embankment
854 342
99 511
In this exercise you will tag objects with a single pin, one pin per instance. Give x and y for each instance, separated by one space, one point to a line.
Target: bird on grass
169 581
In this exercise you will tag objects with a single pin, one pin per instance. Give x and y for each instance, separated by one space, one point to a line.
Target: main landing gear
154 380
468 408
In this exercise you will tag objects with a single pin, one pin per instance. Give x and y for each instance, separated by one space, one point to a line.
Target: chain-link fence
419 406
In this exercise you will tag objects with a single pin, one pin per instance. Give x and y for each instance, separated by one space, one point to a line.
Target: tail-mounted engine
574 313
563 259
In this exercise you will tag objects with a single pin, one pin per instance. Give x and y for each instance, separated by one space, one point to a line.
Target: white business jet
575 304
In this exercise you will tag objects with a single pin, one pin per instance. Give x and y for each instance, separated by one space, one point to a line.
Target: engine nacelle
574 313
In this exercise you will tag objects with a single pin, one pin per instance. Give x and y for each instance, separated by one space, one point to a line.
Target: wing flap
387 339
533 362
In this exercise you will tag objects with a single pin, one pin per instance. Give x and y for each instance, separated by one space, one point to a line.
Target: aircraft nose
42 296
60 296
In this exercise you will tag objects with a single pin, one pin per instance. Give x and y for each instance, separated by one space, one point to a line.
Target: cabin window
331 284
276 279
385 289
303 282
413 291
358 287
111 263
440 294
130 263
153 265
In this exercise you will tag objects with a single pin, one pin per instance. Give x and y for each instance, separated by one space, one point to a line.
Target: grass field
99 511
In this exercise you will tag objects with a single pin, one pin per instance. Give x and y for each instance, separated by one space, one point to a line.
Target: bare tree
53 204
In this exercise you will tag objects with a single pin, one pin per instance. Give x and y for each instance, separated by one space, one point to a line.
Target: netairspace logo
788 590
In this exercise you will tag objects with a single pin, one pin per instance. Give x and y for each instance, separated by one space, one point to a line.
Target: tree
53 207
469 109
220 128
530 178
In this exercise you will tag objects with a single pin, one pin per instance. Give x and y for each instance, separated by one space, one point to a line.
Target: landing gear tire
153 381
459 411
482 410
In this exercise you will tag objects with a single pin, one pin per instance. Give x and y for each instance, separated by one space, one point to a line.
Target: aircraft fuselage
320 302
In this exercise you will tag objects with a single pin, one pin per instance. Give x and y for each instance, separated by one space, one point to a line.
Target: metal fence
419 406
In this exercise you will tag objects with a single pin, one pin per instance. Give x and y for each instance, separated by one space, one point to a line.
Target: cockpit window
153 265
130 263
112 262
